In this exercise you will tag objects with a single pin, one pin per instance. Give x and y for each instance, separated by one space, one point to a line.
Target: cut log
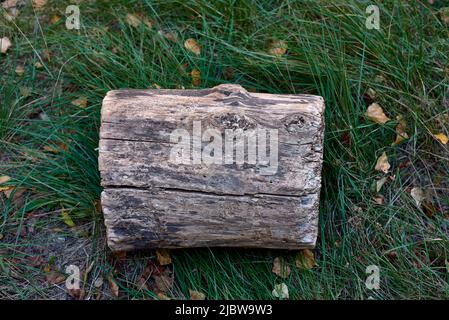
212 167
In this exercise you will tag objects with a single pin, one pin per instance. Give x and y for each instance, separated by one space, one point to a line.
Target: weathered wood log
212 167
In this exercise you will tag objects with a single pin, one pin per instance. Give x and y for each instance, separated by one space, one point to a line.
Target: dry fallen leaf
401 134
441 137
371 93
196 295
163 281
55 19
20 70
382 163
39 4
80 102
196 77
113 286
133 20
163 257
54 277
193 46
375 113
280 291
5 44
305 260
25 91
162 296
444 14
66 218
380 183
8 4
99 282
277 47
417 195
280 268
4 179
38 65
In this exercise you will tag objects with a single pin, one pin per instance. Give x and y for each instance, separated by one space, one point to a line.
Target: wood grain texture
150 202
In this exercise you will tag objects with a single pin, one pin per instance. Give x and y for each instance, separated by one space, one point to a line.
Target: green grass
330 53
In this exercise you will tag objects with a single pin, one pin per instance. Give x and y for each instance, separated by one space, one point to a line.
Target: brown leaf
163 257
192 46
379 199
5 44
80 102
280 268
55 19
163 281
375 113
20 70
133 20
113 286
8 4
54 277
444 14
196 295
401 133
120 255
39 4
382 163
305 260
4 179
77 294
277 47
162 296
196 77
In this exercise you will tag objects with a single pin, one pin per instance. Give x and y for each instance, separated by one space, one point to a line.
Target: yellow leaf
80 102
5 44
196 295
277 47
382 163
163 257
66 218
6 189
441 137
280 291
38 65
196 77
375 113
401 135
305 260
193 46
133 20
280 268
4 179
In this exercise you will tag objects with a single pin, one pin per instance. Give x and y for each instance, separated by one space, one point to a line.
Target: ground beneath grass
52 82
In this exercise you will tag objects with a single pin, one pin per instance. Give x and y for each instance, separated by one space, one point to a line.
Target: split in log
212 167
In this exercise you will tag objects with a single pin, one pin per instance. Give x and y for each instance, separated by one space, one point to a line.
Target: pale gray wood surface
150 202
